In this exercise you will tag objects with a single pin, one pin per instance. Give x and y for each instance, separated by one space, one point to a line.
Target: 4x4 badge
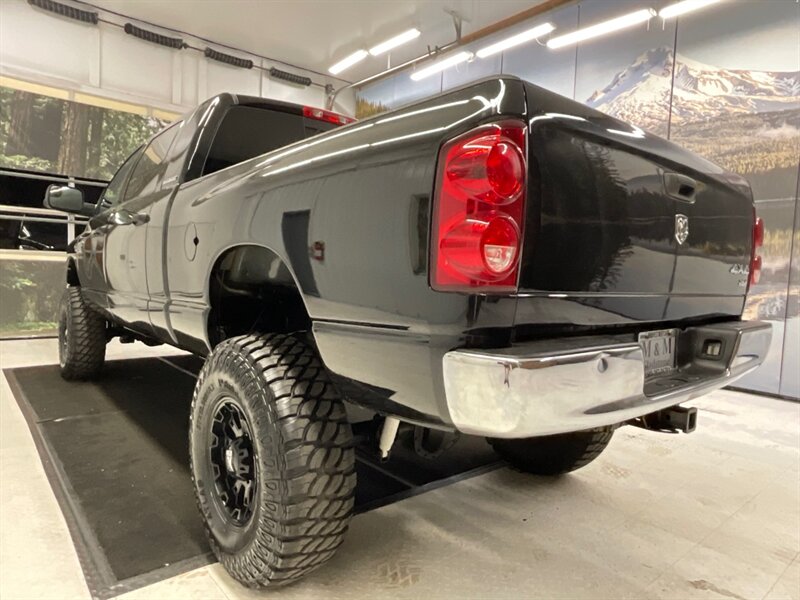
681 228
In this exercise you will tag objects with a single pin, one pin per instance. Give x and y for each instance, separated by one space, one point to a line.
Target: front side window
150 168
113 192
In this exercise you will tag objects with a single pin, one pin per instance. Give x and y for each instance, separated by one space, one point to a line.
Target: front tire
81 337
554 454
272 459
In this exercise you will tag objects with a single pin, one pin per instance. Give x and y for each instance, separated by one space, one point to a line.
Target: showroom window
246 132
151 167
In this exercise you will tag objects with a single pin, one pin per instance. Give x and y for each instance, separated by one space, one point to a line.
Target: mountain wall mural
700 91
748 121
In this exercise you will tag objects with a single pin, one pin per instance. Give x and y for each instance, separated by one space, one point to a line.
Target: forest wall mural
44 133
723 82
52 135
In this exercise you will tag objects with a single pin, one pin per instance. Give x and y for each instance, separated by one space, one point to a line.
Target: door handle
680 186
126 217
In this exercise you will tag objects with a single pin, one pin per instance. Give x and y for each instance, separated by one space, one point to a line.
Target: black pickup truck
497 261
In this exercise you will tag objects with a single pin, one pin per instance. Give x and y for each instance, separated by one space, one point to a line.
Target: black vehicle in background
497 261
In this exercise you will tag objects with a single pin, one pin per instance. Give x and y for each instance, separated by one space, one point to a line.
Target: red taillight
326 115
758 232
758 241
478 210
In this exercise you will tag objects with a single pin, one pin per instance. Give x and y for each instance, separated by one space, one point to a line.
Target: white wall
102 59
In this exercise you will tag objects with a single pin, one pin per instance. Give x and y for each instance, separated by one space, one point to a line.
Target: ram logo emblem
681 228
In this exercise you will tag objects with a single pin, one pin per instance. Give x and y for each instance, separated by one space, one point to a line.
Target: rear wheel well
251 290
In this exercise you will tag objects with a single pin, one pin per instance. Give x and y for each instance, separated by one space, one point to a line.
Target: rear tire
554 454
272 459
81 337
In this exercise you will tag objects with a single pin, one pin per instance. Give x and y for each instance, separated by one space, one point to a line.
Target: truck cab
124 269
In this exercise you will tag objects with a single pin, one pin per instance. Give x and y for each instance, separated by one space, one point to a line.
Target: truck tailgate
629 223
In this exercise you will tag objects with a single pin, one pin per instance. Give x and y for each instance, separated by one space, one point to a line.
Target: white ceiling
315 34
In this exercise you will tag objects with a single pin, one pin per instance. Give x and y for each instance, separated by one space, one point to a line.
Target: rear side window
247 131
150 168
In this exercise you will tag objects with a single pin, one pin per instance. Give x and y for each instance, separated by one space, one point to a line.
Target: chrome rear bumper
568 384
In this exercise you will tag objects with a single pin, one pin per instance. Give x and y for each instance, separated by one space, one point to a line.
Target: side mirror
62 197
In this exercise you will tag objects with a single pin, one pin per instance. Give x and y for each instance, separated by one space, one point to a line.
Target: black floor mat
117 456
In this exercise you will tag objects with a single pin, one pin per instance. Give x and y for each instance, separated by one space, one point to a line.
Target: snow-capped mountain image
641 92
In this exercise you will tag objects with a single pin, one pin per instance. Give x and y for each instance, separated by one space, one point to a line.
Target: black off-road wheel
554 454
81 337
272 459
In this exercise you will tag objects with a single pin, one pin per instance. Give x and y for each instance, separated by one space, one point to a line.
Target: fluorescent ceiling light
680 8
579 35
441 65
348 62
394 42
516 40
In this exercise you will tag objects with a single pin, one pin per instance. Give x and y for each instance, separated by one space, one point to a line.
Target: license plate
658 348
